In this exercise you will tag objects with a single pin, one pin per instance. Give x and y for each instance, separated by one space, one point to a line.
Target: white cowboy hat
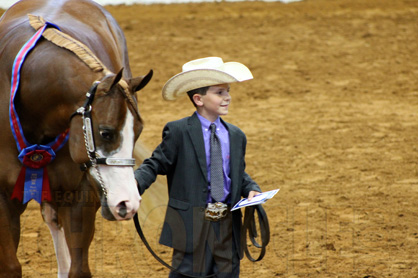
202 73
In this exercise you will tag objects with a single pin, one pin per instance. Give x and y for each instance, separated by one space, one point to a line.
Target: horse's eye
106 134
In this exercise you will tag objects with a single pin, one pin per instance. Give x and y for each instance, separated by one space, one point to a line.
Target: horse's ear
118 77
109 82
138 83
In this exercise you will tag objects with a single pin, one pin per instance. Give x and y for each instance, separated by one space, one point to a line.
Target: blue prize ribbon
33 185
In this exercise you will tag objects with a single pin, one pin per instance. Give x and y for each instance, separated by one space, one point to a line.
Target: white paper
256 200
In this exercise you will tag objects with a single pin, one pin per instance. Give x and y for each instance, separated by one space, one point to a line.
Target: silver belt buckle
216 211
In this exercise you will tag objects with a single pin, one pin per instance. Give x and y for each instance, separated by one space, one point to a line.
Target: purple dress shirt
223 136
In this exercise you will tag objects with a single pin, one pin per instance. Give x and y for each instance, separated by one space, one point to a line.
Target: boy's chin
223 111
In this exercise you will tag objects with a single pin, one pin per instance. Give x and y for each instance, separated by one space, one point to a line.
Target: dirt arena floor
331 119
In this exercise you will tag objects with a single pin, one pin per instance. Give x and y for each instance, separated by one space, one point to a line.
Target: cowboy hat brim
186 81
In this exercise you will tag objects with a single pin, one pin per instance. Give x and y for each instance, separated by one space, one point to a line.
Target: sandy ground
331 120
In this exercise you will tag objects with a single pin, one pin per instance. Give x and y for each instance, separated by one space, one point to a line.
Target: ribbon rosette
33 181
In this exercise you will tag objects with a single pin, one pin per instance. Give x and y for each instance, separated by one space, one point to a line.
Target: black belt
249 224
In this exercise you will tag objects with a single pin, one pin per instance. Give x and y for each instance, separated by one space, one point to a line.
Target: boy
205 169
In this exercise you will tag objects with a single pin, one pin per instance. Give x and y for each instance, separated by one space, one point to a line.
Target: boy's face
216 101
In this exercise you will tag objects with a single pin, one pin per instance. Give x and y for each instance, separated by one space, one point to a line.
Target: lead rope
250 226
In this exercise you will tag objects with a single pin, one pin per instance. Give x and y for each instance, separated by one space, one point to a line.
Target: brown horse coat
52 86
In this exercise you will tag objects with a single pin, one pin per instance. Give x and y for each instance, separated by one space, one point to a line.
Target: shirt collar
206 123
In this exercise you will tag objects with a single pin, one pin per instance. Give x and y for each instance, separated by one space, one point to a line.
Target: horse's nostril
122 210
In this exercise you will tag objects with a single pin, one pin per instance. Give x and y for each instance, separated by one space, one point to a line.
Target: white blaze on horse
67 102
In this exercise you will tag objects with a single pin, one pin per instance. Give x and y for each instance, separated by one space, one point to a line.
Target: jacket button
202 209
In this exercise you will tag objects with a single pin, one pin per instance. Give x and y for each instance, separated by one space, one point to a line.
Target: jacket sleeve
160 163
247 183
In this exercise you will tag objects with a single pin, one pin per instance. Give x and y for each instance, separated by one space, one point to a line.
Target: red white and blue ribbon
33 181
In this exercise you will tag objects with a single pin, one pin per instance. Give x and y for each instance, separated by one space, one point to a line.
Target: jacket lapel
196 136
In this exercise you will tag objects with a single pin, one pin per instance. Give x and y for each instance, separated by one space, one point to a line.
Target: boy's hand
252 194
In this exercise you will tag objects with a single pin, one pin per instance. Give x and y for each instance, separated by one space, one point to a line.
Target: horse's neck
46 104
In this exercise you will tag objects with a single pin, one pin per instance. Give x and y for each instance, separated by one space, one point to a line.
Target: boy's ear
197 99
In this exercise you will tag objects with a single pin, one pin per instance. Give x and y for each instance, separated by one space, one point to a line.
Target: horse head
103 139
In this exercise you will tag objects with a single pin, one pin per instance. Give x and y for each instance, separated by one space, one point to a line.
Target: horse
70 120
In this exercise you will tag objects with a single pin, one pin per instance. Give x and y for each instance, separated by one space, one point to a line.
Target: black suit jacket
181 157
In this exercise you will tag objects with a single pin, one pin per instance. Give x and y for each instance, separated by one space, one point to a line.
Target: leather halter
94 158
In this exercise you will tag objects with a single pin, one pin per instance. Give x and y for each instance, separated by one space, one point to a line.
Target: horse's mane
65 41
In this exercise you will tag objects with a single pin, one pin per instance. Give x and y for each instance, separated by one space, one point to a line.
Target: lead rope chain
95 166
